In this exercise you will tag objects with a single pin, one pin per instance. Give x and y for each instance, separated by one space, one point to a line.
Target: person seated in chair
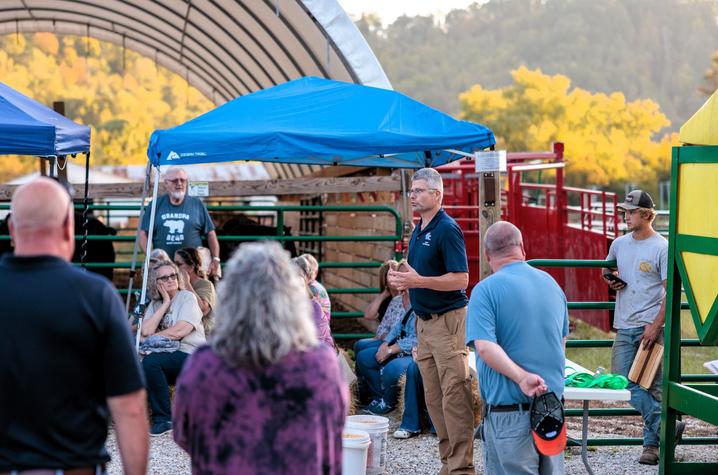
175 315
189 262
379 368
387 308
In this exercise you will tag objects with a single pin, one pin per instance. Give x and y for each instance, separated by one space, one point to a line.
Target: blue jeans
379 382
365 343
414 405
509 446
648 403
161 370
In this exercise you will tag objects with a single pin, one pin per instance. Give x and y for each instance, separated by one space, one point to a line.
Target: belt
509 407
429 316
94 470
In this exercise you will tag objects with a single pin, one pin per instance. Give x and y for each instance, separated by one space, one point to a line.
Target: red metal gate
557 222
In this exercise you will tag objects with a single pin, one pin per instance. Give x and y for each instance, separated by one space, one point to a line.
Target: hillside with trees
123 96
645 49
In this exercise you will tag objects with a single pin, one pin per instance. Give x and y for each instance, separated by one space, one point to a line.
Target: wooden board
645 365
297 186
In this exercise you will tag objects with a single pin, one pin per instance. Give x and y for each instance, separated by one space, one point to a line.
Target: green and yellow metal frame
693 265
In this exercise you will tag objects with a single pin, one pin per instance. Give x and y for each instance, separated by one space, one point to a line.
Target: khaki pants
443 361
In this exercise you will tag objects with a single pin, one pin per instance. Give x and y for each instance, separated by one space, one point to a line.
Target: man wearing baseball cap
518 323
640 284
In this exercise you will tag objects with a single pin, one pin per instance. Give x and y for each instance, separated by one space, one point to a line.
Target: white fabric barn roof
224 48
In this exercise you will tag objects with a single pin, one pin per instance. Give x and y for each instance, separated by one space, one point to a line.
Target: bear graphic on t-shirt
176 226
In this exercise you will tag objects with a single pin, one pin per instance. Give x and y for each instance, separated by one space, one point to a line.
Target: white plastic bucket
377 427
355 448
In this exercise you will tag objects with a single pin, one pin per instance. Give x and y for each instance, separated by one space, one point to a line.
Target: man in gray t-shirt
180 221
642 269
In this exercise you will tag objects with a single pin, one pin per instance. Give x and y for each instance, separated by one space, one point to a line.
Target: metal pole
85 206
145 271
133 268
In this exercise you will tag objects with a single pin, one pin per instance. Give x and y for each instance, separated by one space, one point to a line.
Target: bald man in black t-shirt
66 354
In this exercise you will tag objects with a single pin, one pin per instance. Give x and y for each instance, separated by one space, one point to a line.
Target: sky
390 10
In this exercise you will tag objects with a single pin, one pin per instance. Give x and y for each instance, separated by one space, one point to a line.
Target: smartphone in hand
615 279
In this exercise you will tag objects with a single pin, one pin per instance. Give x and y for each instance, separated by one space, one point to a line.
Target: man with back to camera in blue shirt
518 323
436 275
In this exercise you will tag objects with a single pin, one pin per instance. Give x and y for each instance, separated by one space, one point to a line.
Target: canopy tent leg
85 208
146 266
133 267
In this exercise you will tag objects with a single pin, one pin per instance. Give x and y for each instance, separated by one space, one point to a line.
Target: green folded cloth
603 381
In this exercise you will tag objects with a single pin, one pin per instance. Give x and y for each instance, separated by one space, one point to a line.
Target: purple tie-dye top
286 418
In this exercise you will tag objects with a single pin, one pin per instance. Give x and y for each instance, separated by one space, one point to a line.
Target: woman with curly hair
172 315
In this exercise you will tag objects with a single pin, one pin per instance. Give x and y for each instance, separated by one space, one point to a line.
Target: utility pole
59 107
488 168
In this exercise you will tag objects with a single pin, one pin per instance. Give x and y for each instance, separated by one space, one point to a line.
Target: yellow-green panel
701 128
702 270
698 199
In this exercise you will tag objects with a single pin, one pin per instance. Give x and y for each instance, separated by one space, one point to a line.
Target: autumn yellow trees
609 141
120 94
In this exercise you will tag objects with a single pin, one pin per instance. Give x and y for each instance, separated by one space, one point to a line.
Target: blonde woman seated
174 314
319 293
265 397
324 332
189 262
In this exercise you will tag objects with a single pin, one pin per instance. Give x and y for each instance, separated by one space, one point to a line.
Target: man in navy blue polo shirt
436 275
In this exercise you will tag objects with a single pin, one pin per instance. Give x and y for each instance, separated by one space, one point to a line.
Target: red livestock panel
557 222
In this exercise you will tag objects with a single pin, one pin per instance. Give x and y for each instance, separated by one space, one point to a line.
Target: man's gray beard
177 195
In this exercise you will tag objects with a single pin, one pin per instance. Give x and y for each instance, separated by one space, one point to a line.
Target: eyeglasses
177 181
418 191
167 278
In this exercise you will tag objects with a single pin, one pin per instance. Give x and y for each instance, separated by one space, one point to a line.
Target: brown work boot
649 455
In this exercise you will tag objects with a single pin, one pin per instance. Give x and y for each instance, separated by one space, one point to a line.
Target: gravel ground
420 455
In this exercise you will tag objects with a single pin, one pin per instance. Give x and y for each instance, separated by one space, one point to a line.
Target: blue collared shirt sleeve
481 320
453 250
205 220
409 340
565 319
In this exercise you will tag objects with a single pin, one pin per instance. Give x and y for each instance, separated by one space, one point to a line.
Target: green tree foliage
643 48
609 140
122 96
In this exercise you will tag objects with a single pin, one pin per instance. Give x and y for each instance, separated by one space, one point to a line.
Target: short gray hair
173 170
263 311
501 237
431 177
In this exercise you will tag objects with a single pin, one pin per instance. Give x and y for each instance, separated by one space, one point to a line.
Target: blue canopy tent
30 128
321 122
315 121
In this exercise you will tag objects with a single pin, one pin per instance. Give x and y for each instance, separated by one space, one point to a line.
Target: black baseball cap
548 424
637 199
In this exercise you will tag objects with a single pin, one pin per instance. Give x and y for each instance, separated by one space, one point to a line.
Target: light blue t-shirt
524 311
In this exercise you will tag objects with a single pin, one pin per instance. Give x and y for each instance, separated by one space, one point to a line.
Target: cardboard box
645 365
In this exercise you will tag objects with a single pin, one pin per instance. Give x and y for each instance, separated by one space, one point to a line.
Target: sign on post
489 166
198 188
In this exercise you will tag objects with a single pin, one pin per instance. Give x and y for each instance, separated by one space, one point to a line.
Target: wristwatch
215 258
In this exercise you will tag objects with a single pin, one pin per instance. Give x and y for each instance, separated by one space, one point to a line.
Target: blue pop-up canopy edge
319 121
30 128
